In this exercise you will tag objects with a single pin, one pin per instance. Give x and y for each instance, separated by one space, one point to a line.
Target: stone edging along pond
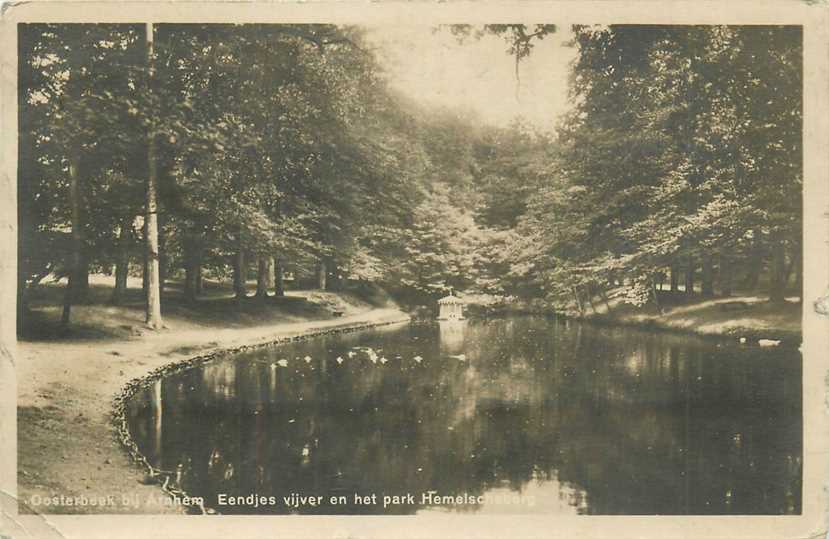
168 479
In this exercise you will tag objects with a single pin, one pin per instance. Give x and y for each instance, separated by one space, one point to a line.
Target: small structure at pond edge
451 308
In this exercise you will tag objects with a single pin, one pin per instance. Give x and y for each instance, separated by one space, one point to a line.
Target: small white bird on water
351 353
768 342
340 360
383 360
307 359
282 362
418 359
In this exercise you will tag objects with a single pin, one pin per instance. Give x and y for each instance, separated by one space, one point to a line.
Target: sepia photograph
449 271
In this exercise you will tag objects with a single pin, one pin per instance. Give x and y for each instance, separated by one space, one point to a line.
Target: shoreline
162 477
66 415
777 323
787 338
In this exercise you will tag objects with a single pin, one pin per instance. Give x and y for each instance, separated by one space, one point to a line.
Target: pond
518 415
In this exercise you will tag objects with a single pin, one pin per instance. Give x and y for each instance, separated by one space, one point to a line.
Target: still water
519 415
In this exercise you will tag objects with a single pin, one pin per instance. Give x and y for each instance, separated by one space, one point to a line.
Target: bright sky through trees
435 68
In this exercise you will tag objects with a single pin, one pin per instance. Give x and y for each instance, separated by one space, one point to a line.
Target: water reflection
452 334
532 415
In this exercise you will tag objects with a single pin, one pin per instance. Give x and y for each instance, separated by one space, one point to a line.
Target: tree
69 93
153 312
669 156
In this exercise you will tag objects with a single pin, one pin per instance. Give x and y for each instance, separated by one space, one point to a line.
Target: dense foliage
282 147
682 154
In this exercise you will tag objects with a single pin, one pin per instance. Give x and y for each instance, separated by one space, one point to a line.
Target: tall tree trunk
798 276
262 277
189 280
777 284
153 314
322 275
655 296
81 289
122 267
689 275
240 274
726 275
333 275
578 301
793 263
674 278
162 254
707 275
75 258
122 264
271 272
198 284
755 262
145 262
588 291
67 302
279 278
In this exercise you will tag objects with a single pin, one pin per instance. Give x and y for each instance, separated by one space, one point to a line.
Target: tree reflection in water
572 418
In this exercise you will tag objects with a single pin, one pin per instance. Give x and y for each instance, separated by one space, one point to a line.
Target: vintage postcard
414 270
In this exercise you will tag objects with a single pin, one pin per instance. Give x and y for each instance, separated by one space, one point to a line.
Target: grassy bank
741 316
746 317
67 379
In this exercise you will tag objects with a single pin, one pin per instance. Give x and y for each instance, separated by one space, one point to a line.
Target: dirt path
66 443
